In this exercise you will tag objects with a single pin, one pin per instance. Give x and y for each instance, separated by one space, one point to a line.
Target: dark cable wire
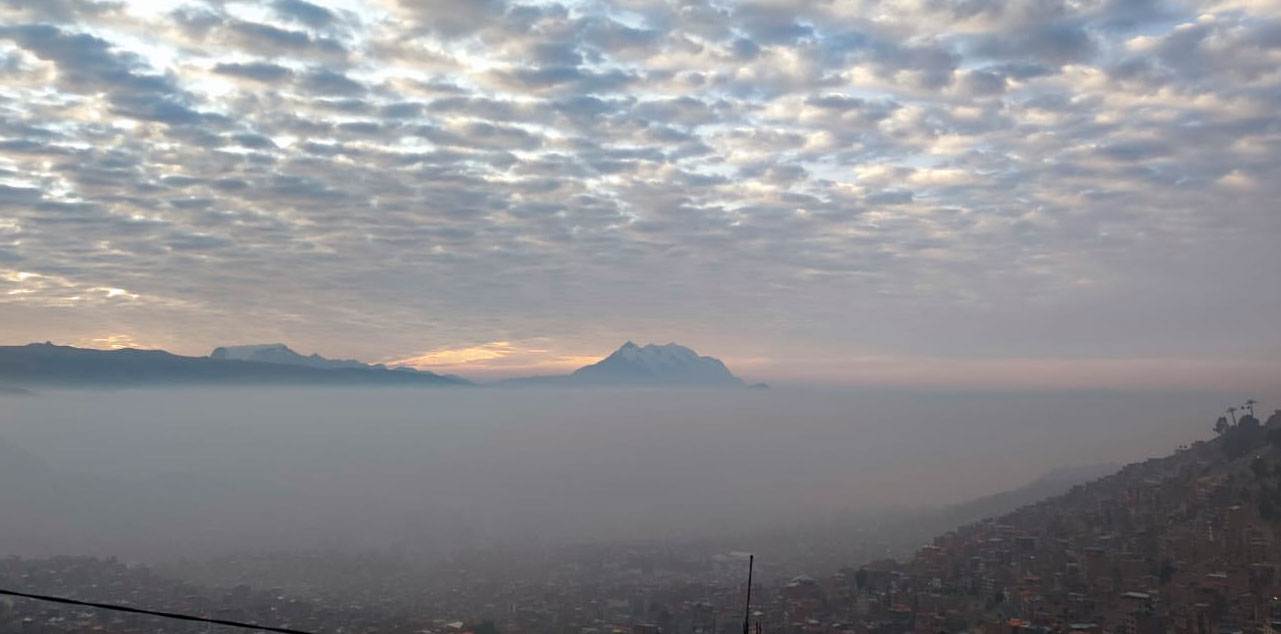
166 615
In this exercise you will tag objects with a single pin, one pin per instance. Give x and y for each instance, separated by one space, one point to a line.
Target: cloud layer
805 179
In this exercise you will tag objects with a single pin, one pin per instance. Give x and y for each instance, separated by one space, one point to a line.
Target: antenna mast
747 609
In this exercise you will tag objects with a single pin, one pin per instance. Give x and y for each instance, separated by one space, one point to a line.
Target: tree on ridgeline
1243 437
1221 426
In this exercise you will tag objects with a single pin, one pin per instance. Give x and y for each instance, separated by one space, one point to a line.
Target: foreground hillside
1185 543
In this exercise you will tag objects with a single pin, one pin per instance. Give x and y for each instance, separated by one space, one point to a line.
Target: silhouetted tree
1232 411
1221 426
860 578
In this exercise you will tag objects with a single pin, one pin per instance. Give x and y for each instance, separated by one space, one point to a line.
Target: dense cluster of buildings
112 582
606 592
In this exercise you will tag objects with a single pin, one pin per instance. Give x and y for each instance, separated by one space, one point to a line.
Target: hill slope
1188 542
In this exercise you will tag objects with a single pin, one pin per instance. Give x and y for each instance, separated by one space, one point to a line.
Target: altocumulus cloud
381 178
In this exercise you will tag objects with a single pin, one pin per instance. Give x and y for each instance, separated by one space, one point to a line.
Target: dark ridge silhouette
65 366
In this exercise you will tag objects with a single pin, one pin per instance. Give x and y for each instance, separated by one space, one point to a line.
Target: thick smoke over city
152 474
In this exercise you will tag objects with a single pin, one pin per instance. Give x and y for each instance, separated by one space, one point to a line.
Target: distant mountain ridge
280 353
668 365
46 364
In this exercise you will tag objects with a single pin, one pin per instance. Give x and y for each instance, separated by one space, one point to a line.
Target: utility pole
747 609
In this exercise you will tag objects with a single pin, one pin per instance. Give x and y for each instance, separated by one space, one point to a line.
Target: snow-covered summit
669 364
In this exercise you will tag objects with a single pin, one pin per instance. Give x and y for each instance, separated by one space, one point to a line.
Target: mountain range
280 353
47 364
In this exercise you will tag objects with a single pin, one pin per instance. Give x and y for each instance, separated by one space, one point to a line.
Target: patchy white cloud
373 178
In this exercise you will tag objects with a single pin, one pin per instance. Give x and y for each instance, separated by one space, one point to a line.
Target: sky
1075 193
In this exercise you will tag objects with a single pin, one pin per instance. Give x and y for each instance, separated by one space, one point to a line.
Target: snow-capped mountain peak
668 364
